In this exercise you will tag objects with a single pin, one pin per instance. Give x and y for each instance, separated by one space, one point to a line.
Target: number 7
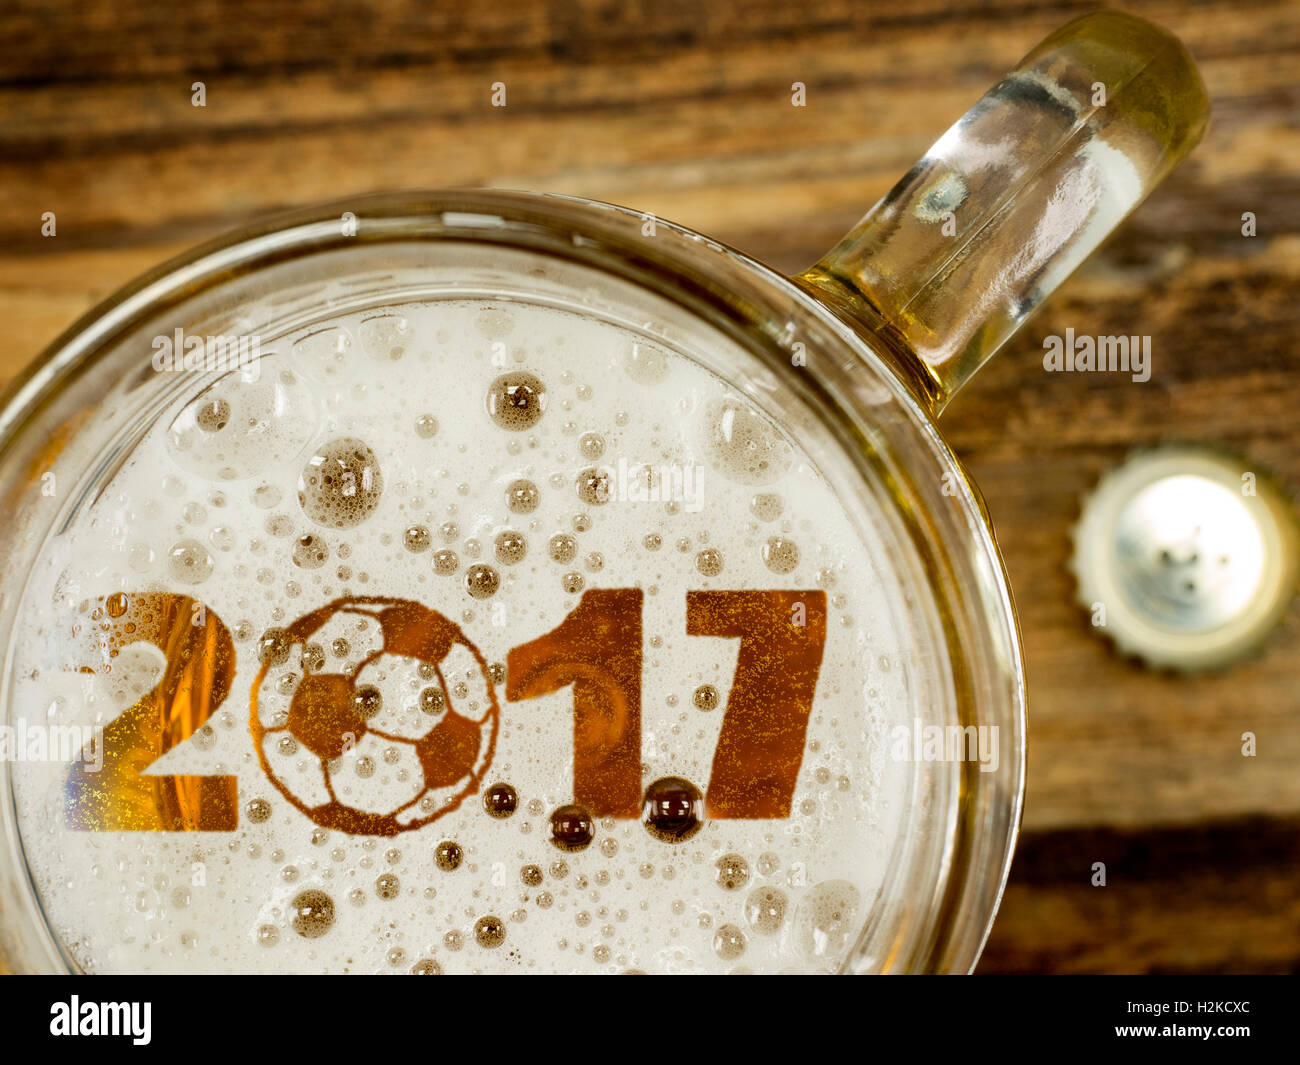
765 724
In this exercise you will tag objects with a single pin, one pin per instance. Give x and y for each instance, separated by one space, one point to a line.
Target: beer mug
482 581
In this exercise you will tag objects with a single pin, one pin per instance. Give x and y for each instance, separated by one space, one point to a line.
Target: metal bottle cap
1186 558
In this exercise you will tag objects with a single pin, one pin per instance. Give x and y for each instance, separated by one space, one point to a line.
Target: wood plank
1216 898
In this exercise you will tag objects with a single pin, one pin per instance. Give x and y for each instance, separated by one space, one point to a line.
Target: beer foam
490 461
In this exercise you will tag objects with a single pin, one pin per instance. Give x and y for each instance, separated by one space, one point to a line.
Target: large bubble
742 445
342 484
826 921
245 424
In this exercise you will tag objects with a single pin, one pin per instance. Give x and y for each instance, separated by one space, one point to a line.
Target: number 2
196 680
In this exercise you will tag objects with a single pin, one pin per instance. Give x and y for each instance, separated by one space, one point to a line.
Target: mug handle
1014 196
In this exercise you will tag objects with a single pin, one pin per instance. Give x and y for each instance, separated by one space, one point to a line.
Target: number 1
597 649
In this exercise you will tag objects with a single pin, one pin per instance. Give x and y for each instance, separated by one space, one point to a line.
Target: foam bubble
825 921
490 931
511 547
245 424
572 828
341 484
780 554
310 552
500 801
448 855
482 581
733 872
765 910
516 401
313 913
705 697
672 810
562 548
522 497
744 446
385 337
594 486
709 562
189 562
729 942
645 364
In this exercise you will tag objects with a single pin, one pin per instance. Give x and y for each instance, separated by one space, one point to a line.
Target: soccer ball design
373 715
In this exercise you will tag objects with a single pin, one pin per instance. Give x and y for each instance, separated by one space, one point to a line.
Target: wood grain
684 109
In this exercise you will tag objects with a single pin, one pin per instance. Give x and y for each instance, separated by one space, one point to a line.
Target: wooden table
683 109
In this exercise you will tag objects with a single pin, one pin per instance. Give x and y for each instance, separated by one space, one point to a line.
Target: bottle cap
1186 557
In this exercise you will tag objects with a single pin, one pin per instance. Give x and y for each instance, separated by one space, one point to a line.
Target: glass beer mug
482 581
